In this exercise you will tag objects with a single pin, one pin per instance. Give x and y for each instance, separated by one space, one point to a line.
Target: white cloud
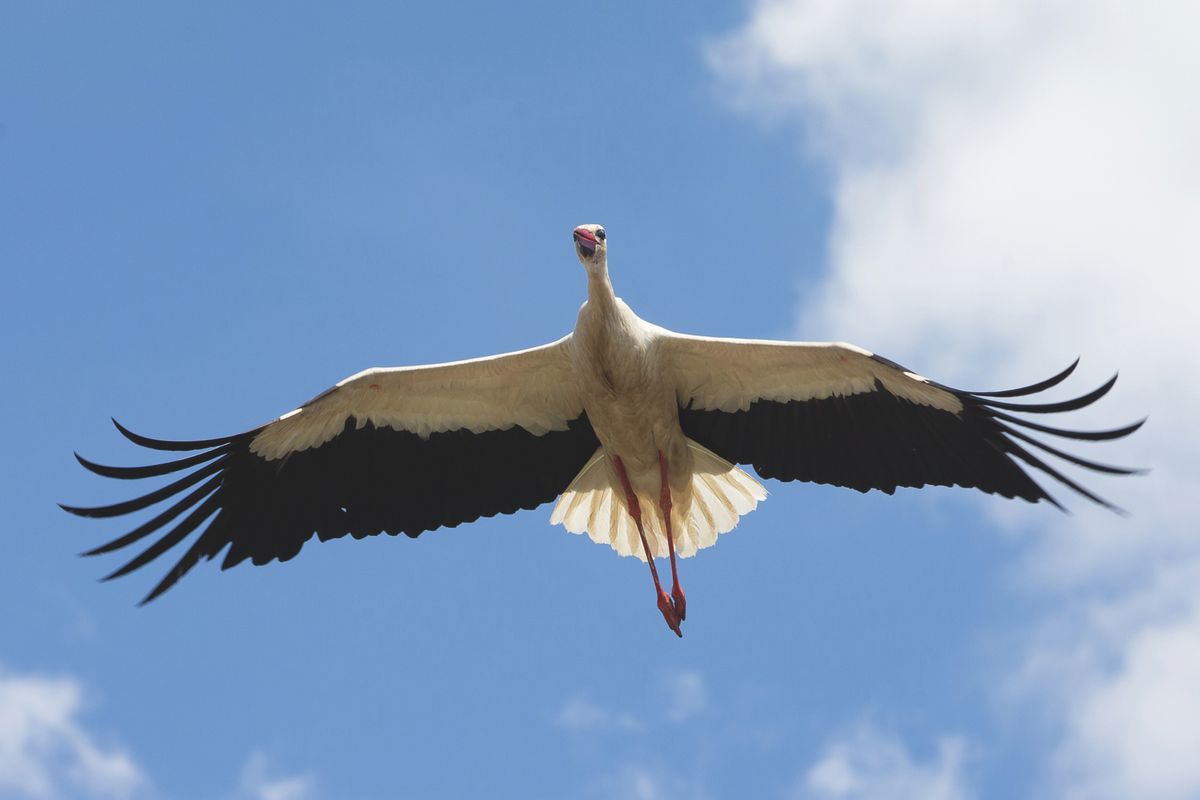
687 695
259 781
1120 676
581 714
866 764
45 750
1014 183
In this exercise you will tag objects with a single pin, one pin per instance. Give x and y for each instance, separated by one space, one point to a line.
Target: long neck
600 290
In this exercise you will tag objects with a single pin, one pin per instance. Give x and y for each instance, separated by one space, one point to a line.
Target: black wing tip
1037 463
1086 436
176 444
154 593
121 571
128 434
1074 404
153 470
1069 405
1071 458
96 468
81 511
1049 498
1108 505
1033 388
1114 433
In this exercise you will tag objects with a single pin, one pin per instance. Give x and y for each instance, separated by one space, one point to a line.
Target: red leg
635 511
677 598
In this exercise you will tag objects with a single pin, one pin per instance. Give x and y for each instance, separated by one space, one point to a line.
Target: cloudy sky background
1009 180
213 217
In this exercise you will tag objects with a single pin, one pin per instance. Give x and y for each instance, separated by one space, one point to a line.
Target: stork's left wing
837 414
388 450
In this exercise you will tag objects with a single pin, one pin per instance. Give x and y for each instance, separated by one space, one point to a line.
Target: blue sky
213 214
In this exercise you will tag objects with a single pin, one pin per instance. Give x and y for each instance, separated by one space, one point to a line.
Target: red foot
668 612
679 602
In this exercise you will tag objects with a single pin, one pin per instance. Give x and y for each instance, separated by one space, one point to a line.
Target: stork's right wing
401 450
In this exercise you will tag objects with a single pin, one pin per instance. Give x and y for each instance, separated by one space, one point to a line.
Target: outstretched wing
837 414
401 450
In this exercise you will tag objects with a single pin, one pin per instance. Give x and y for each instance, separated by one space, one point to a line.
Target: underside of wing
379 471
837 414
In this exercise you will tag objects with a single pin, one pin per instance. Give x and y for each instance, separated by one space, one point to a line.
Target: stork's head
591 247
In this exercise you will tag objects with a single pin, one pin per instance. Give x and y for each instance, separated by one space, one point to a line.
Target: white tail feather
721 494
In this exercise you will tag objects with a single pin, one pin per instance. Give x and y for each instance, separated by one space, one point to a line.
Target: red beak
583 234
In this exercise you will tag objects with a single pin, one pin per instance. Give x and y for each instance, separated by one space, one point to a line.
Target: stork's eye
600 234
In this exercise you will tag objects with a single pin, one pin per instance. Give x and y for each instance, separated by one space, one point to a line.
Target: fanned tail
721 494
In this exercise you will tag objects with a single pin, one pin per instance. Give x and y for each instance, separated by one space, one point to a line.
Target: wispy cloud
641 781
687 695
867 764
261 781
684 694
1015 182
579 713
46 751
625 773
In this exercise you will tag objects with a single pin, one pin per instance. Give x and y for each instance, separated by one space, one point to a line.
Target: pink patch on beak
585 235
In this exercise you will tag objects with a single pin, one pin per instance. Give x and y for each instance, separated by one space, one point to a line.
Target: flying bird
637 430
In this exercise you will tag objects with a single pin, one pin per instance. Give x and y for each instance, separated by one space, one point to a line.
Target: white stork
636 430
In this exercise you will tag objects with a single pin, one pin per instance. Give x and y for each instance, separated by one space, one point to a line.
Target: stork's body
631 402
628 398
636 430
